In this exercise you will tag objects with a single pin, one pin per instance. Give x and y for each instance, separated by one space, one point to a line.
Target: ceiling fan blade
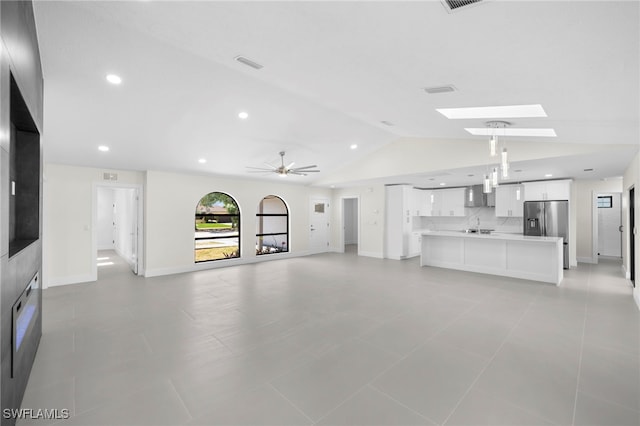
305 167
306 171
270 166
290 165
261 169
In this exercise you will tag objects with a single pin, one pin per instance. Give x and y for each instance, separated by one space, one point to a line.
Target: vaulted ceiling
332 73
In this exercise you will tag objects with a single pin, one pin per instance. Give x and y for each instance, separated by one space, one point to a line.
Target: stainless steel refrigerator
549 219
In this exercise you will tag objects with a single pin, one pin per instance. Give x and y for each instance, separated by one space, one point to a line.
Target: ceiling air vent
248 62
439 89
109 176
454 5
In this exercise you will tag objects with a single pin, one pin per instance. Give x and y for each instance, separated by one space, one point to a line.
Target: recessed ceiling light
548 175
509 111
202 160
442 184
103 148
243 115
512 131
114 79
333 186
353 146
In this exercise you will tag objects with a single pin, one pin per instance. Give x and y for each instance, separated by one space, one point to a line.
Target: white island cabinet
510 255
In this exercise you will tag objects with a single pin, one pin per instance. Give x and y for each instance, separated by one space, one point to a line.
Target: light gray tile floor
337 339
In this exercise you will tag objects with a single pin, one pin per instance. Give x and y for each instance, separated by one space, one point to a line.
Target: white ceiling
332 72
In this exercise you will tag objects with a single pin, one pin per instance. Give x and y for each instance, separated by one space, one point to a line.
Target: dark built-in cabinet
21 89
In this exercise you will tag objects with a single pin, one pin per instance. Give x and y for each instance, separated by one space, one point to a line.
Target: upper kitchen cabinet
509 201
451 202
547 190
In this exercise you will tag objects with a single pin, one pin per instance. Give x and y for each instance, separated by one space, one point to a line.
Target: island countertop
492 235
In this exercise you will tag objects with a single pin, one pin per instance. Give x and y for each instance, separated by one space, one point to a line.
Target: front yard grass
214 253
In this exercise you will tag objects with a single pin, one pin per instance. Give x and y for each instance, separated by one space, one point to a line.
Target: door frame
342 220
94 223
595 232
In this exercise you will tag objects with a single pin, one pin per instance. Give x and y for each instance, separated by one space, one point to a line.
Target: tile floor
337 339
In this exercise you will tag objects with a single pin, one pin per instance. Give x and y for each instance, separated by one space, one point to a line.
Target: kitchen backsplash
487 216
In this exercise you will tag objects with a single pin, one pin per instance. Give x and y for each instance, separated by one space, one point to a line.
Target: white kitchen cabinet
419 205
415 244
547 190
435 203
453 201
398 221
509 201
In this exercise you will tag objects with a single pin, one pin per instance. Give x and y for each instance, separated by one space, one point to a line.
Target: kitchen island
510 255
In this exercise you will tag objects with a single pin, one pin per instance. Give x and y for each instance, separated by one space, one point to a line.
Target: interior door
319 225
134 231
631 233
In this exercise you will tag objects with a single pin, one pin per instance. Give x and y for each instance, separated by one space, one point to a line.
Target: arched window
272 226
217 227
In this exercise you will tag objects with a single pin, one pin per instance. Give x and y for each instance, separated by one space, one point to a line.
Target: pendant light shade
486 185
504 164
493 143
494 177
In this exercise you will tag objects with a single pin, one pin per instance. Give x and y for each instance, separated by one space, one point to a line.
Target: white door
319 226
134 231
609 222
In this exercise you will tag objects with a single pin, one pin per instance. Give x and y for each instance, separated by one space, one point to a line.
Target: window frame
269 234
239 236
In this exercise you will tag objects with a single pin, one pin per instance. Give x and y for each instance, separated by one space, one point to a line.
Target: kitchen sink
477 231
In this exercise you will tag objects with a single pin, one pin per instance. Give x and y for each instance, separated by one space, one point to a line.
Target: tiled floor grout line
290 402
584 327
184 405
402 404
491 360
376 377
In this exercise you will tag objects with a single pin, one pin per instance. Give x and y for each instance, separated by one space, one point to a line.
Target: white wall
67 237
170 202
372 206
351 221
583 191
105 219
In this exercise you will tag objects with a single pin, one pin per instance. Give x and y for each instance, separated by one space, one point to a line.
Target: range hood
475 197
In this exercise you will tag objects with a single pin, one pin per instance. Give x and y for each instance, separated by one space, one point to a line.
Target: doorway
350 225
608 241
319 225
117 220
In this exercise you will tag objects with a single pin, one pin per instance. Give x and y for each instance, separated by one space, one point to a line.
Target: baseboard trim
587 260
375 254
74 279
636 296
157 272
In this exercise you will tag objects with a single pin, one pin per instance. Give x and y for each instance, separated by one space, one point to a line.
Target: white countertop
493 235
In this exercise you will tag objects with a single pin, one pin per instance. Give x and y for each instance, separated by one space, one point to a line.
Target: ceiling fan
283 170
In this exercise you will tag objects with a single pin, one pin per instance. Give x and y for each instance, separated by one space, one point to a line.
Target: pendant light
504 164
494 177
493 144
486 184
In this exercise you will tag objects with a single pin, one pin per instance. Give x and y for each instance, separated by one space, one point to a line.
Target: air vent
248 62
386 123
454 5
110 176
440 89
